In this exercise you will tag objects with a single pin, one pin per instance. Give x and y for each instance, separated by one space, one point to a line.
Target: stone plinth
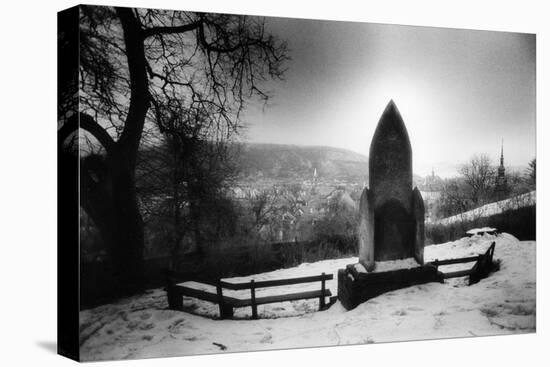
356 287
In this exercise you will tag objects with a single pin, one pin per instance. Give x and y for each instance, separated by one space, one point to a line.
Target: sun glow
413 101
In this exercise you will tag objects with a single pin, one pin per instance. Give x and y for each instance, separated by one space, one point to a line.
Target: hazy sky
460 92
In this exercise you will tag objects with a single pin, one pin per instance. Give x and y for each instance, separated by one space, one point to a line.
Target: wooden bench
175 293
481 269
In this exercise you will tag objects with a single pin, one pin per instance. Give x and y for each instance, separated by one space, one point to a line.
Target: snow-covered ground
520 201
504 303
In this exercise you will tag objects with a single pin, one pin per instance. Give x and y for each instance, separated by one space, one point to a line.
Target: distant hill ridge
296 161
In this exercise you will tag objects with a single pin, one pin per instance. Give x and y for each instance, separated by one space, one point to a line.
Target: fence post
175 299
475 274
492 251
220 299
322 299
253 299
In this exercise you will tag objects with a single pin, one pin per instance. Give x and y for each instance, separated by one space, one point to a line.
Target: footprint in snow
401 312
147 326
268 338
175 326
145 316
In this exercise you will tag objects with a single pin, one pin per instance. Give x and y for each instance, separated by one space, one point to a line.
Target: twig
222 347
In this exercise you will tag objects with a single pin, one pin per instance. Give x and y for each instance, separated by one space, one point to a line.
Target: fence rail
276 282
175 293
481 269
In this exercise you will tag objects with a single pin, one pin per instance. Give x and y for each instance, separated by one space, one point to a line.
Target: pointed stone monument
391 212
391 225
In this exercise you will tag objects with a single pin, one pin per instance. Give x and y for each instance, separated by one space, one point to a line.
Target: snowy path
501 304
520 201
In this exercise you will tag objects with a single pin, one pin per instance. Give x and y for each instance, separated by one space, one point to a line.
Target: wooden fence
175 293
481 269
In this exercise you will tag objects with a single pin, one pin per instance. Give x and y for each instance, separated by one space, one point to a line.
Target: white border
28 185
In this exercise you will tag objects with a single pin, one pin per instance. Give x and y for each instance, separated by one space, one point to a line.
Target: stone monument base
355 287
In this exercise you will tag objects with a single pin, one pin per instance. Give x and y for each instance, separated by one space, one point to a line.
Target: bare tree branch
86 122
148 32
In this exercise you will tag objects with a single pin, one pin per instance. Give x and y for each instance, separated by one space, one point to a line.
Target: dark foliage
519 222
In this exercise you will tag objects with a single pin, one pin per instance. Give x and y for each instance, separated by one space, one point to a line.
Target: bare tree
479 175
532 172
453 198
271 206
293 198
177 177
517 183
341 216
264 207
173 61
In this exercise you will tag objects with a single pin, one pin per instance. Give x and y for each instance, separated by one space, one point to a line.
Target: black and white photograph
250 183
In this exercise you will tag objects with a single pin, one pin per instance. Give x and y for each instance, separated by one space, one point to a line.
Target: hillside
282 162
299 162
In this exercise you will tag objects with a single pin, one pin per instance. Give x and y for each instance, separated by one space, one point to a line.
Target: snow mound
482 230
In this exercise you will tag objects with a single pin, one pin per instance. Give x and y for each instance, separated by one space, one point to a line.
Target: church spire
501 184
502 153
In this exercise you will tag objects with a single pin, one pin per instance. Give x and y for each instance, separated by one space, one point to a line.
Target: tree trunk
195 213
109 197
108 190
128 232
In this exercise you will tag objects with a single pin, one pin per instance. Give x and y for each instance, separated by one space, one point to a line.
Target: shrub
519 222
